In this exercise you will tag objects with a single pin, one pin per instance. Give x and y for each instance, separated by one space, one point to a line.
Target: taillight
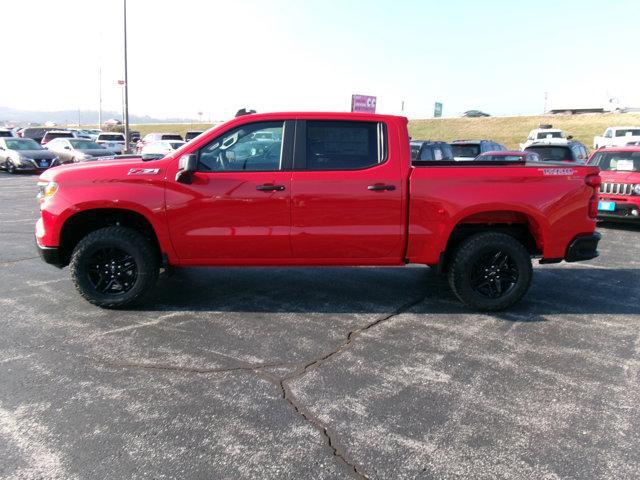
594 182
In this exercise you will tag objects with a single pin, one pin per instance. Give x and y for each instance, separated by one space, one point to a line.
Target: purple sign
363 103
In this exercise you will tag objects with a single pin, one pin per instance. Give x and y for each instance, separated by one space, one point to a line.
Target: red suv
619 196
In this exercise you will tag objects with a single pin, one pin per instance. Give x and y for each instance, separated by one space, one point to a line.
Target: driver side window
255 147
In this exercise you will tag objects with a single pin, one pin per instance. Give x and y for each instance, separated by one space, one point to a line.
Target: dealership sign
437 111
363 103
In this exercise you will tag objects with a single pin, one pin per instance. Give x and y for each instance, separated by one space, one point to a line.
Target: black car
475 114
25 155
423 151
571 151
470 149
190 135
35 133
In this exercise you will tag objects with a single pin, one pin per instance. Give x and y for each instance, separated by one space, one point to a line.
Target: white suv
112 141
544 134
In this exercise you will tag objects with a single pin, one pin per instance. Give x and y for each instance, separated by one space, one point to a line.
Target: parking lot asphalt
317 372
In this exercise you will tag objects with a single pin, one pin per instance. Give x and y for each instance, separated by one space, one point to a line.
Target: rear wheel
490 271
114 266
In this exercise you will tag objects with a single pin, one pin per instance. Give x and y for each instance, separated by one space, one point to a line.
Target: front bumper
625 210
583 247
50 255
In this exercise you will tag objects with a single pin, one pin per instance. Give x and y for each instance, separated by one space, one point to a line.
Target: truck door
238 206
346 193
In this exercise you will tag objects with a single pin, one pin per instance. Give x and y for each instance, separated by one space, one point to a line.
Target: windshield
628 132
176 145
552 153
5 133
112 137
171 136
471 151
542 135
22 144
85 145
617 161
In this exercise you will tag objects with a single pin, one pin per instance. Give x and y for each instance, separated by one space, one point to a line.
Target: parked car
51 134
338 189
112 141
428 151
619 197
35 133
617 137
155 150
6 132
544 133
571 151
191 134
73 150
475 114
156 137
465 150
25 155
508 156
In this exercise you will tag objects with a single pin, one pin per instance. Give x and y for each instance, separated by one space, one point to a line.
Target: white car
544 135
154 150
112 141
617 137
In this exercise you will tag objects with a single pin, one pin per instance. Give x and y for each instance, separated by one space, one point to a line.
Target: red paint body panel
323 218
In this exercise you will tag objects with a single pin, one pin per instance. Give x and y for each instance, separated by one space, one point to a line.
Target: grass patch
511 131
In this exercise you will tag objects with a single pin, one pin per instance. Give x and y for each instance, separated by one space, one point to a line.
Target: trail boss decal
557 171
144 171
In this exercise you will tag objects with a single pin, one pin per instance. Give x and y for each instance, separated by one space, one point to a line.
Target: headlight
636 189
46 190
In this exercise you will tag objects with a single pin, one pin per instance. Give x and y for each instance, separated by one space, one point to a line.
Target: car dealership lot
317 373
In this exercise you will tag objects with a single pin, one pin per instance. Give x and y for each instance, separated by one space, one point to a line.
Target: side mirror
186 166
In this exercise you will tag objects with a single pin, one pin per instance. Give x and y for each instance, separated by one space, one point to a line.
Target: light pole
126 85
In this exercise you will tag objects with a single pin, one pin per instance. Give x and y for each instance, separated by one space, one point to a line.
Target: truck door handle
380 187
270 188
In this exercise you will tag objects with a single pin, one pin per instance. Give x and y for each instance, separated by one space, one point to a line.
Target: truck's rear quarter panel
552 200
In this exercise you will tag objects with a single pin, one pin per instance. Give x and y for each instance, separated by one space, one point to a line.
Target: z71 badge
557 171
144 171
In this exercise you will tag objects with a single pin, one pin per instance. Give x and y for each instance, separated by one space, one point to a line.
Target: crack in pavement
9 262
329 435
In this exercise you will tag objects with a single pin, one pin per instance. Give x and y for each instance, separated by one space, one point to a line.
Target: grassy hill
509 131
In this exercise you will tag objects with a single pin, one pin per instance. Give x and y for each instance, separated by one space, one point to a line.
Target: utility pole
544 112
100 96
126 85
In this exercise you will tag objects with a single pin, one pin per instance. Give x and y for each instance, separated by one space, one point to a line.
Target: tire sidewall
79 266
466 259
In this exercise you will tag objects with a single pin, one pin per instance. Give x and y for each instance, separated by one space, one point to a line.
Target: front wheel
114 266
490 271
11 167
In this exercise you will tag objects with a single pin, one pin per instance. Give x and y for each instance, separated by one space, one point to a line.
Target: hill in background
511 131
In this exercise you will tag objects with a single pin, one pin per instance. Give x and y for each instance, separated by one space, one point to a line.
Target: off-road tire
465 259
124 239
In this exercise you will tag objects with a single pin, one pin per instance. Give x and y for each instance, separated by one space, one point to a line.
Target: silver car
73 150
25 155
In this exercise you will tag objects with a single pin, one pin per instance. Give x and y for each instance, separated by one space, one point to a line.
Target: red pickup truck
314 189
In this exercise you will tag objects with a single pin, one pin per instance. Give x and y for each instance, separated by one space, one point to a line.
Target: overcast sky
215 56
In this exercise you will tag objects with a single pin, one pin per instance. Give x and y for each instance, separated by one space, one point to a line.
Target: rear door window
344 145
